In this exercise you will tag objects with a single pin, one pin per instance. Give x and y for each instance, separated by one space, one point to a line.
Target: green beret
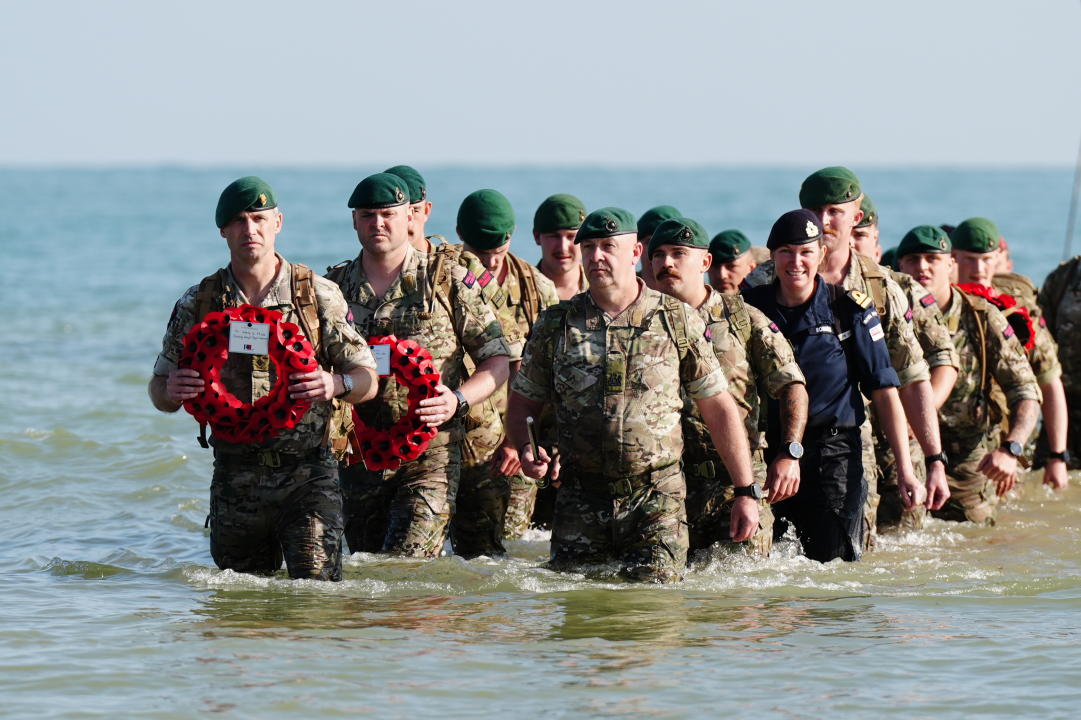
829 186
678 231
559 212
243 195
889 259
653 217
728 245
606 222
870 212
418 189
924 239
977 234
382 190
485 220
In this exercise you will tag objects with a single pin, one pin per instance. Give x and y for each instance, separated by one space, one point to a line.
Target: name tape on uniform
249 338
382 359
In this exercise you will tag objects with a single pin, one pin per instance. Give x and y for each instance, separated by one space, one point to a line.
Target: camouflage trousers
262 513
403 511
891 511
972 494
523 501
828 511
476 528
710 496
869 442
639 522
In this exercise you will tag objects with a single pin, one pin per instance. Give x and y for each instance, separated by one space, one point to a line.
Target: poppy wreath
206 347
1017 315
407 439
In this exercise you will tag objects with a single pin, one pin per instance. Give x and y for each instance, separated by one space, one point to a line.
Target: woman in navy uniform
839 345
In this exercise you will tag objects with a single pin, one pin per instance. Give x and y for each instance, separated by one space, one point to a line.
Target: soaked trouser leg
520 507
710 495
404 512
828 509
644 529
891 511
544 507
972 494
476 527
258 515
873 474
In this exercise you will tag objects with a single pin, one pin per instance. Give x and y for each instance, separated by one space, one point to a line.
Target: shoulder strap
531 301
305 303
979 312
675 317
738 317
876 282
211 294
336 273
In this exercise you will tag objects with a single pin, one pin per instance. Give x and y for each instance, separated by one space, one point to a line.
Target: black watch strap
752 491
463 405
937 457
1013 448
1064 456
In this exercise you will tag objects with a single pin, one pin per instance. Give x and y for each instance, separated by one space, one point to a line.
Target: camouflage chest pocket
575 385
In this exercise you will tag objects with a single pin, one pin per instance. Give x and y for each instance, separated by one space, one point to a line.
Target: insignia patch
611 225
469 279
349 316
484 279
685 234
262 199
859 298
707 334
424 193
942 243
581 217
908 314
1043 321
399 195
927 300
1008 332
811 229
876 332
774 328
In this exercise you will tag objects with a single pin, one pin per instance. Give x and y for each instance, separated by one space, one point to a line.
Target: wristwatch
347 383
752 491
463 405
793 450
937 457
1064 456
1012 447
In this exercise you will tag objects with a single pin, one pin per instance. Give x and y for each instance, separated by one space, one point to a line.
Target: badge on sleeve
876 332
1008 332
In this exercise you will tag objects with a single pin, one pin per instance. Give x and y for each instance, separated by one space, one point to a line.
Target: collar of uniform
634 315
279 292
713 299
512 283
956 301
404 284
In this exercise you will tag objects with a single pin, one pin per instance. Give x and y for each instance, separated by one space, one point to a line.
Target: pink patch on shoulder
469 279
485 279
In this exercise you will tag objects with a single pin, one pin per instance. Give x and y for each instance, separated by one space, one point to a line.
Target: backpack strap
305 303
531 301
735 310
675 317
979 312
210 297
876 282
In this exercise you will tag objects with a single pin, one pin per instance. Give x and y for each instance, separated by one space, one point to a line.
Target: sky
557 82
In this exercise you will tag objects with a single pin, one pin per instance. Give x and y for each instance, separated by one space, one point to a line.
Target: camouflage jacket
989 352
617 382
1060 302
445 314
755 357
1044 355
250 377
928 324
866 276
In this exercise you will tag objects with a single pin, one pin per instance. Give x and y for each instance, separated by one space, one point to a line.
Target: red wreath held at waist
1017 315
407 439
206 347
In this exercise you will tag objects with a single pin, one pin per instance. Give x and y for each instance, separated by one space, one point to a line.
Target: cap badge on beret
942 243
686 234
581 216
262 198
811 230
611 225
399 194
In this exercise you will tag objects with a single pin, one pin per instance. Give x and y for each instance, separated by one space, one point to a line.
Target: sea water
112 606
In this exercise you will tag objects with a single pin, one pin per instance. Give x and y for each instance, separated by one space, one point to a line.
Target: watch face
795 450
1013 448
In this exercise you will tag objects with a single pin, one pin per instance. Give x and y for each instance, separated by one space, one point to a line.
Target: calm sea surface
112 607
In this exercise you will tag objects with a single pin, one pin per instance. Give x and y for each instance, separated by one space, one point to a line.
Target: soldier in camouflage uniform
732 261
980 469
280 496
614 360
646 224
1060 301
834 194
975 251
555 223
753 354
491 473
420 208
393 289
938 351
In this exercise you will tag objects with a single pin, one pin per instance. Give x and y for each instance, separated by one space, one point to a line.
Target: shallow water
113 608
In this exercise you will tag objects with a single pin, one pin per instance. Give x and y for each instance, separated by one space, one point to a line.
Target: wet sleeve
770 355
344 348
533 380
180 322
872 359
699 370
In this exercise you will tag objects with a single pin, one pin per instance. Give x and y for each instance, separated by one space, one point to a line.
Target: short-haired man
280 496
975 251
420 207
646 225
731 261
865 232
555 224
615 360
839 344
980 470
391 290
754 354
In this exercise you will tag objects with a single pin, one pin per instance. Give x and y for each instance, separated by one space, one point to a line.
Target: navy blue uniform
840 348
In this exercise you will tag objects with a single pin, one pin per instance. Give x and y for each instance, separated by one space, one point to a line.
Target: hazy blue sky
553 82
